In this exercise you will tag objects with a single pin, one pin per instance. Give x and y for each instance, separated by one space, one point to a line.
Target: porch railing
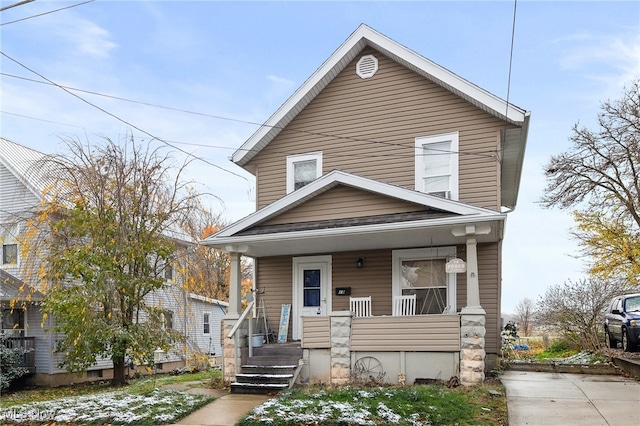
235 335
28 359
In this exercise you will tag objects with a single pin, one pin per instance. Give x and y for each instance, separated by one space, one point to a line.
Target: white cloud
86 38
611 60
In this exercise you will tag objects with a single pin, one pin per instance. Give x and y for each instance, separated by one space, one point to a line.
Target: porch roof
12 288
441 222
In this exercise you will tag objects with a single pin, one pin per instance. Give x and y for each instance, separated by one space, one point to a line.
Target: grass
143 402
408 405
139 386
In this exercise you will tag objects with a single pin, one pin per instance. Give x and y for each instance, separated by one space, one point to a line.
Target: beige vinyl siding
429 333
488 273
368 128
274 283
316 332
374 279
344 202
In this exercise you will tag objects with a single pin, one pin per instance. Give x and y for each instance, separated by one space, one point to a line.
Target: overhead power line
42 14
20 3
121 119
490 154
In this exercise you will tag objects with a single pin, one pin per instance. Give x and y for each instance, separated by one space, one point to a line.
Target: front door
311 289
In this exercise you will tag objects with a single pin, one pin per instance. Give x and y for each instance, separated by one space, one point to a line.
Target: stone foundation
472 354
340 352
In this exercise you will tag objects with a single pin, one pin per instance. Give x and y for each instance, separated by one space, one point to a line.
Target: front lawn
143 402
408 405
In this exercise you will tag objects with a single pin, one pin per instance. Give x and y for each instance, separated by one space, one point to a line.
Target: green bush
11 359
560 349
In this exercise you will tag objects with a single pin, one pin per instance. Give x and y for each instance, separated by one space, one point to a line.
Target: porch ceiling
422 233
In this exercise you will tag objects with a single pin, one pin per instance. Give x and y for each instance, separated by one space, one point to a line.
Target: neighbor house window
167 320
168 272
422 272
9 254
12 319
206 322
436 165
303 169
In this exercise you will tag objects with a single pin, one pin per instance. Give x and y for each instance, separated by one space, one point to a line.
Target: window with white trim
422 272
206 322
303 169
436 165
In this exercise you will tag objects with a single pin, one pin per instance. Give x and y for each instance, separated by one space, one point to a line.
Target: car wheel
627 346
609 340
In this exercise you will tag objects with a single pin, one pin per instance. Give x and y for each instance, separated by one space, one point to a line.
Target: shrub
11 360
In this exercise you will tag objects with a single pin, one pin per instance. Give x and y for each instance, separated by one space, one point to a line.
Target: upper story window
303 169
436 165
9 254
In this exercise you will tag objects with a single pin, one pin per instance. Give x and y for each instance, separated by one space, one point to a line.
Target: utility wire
46 13
121 119
488 154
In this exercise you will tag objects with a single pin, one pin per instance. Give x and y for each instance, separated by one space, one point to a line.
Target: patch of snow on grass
111 407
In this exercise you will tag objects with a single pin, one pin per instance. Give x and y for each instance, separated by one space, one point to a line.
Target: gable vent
367 66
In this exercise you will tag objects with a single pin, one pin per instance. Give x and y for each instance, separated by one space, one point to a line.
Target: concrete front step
269 369
272 368
272 360
281 379
257 388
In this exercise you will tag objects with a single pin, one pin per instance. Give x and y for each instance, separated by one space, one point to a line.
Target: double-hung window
303 169
436 165
422 272
206 322
9 254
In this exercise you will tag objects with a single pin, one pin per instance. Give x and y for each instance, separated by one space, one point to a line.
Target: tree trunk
119 378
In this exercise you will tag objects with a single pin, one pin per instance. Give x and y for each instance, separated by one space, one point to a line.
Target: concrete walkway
548 399
226 410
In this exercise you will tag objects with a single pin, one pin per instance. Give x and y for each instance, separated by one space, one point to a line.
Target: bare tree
576 309
600 175
524 315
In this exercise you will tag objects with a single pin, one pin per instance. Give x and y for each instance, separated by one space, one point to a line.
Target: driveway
548 399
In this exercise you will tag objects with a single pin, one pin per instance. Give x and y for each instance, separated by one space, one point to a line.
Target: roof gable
362 37
25 164
337 177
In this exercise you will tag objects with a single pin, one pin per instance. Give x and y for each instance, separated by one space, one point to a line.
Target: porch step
272 368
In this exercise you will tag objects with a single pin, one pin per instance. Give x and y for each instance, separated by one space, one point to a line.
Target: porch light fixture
360 262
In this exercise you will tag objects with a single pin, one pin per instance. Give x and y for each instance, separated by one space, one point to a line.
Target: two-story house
22 187
385 177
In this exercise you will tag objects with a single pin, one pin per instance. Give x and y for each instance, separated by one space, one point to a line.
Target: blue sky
232 64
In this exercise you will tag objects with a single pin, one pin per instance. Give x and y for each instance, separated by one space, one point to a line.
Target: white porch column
235 295
472 316
473 285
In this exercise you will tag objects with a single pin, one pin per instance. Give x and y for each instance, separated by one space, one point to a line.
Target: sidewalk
548 399
226 410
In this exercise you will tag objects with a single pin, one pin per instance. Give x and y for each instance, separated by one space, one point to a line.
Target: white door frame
299 264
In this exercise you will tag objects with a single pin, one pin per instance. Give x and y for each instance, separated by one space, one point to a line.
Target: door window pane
311 287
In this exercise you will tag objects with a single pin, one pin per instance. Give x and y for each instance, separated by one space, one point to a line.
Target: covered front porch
422 345
315 264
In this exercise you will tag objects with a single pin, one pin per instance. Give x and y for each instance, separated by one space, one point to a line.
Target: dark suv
622 322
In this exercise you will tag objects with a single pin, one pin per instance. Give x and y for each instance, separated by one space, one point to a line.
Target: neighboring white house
21 189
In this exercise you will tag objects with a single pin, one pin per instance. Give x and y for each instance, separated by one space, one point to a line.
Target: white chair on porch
360 306
404 305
